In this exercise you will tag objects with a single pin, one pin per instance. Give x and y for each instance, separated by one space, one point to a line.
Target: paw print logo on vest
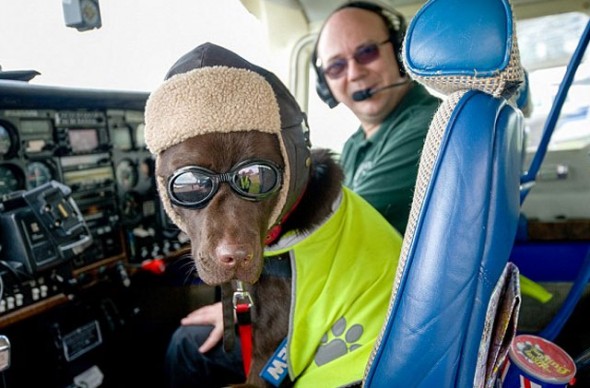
345 341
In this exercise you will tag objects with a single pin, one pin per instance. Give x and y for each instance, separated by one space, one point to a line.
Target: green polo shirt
383 169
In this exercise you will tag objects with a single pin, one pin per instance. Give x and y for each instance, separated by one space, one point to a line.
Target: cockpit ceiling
317 10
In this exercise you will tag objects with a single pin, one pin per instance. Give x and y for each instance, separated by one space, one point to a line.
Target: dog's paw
343 342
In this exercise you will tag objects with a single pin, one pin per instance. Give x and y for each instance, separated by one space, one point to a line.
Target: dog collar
275 231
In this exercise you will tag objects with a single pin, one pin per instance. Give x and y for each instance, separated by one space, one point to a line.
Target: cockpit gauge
121 138
140 136
131 207
10 179
127 175
38 173
7 140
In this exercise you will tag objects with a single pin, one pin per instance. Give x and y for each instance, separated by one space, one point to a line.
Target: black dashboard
90 141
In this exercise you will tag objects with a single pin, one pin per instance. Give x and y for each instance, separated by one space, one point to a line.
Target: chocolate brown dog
228 234
235 172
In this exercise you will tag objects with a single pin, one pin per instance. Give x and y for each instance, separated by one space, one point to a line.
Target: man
362 68
380 160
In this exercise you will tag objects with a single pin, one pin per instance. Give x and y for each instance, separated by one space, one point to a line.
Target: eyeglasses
194 186
363 55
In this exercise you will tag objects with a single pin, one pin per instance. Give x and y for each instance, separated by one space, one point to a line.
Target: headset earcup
397 38
324 91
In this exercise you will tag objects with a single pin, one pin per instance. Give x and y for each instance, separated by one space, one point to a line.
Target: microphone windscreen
361 95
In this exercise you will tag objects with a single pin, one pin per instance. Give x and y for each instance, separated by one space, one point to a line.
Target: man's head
357 49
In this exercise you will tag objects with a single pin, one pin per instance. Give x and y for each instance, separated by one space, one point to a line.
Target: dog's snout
232 255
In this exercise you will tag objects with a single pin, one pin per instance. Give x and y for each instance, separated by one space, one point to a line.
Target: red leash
242 302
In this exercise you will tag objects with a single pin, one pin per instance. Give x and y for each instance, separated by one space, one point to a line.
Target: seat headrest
464 54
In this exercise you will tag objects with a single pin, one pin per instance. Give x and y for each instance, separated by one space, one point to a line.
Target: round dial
127 175
9 180
6 141
38 173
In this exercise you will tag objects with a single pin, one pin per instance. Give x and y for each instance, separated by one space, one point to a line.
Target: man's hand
208 315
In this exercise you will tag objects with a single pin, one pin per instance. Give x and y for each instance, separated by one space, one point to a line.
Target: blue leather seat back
466 203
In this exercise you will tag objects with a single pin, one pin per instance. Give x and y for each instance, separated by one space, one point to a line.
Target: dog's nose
232 255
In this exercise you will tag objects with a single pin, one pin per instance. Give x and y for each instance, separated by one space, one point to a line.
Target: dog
236 173
235 248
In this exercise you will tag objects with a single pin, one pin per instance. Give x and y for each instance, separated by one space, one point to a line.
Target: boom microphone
362 95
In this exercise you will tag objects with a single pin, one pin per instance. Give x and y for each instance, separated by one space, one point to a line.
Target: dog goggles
363 55
194 186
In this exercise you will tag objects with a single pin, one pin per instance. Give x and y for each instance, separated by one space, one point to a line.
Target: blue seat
455 301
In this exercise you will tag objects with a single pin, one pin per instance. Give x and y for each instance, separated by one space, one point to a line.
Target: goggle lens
193 186
255 180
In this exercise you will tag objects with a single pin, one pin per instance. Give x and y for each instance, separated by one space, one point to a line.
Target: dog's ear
322 190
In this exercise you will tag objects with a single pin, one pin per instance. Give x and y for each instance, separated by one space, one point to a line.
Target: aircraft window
546 60
329 128
117 60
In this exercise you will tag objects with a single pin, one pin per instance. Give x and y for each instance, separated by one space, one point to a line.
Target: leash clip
242 302
241 297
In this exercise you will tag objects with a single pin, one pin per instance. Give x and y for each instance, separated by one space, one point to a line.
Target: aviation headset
396 25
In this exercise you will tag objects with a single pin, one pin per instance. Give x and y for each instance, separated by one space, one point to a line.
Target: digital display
82 140
95 176
121 138
35 145
36 127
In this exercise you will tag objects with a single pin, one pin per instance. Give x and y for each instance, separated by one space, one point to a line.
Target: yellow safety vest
343 275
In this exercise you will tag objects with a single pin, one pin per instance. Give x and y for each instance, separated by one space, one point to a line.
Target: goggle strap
275 231
225 177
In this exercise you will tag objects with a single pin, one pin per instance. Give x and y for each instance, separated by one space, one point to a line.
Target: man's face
346 33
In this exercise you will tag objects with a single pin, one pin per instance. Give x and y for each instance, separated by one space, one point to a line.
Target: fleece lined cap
211 99
208 55
211 89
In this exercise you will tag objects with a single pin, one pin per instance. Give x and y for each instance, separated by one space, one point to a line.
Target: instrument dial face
6 141
9 180
127 175
38 173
